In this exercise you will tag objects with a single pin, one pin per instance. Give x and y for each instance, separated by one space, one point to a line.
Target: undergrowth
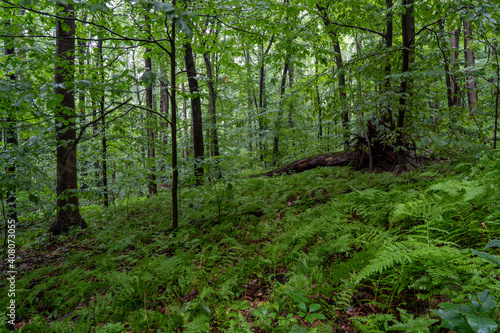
327 250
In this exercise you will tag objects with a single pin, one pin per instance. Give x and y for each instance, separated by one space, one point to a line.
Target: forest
250 166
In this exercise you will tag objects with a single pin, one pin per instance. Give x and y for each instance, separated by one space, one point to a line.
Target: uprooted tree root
383 157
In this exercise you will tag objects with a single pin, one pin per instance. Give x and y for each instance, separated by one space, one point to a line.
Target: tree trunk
68 213
445 52
198 147
341 75
290 84
152 188
104 147
249 101
471 78
164 109
386 118
454 64
262 97
212 99
173 124
318 100
277 125
407 31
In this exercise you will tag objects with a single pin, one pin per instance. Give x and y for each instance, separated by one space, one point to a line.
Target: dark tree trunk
445 52
290 84
340 69
318 100
454 64
186 151
152 188
198 147
249 101
387 117
104 148
212 99
68 213
173 124
277 126
407 31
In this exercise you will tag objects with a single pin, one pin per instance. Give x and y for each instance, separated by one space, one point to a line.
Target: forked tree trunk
68 213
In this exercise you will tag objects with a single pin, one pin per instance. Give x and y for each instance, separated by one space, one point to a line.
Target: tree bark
445 52
152 188
470 60
386 118
454 67
173 124
407 31
341 76
68 213
104 145
196 117
211 106
277 125
249 101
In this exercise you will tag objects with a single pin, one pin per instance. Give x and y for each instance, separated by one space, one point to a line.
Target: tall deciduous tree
196 117
470 60
408 33
152 187
68 213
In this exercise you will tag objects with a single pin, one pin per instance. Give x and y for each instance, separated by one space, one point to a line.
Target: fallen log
384 158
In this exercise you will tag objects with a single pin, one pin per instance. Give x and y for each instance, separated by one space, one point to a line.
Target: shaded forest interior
147 125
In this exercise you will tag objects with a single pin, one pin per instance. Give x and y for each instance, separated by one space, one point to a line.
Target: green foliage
470 318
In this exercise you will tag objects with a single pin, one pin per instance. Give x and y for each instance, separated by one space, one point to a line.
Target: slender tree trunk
164 109
277 126
262 97
68 213
212 99
187 134
318 100
341 75
198 147
249 101
407 31
152 187
470 59
497 94
290 84
387 119
104 147
173 124
445 52
454 64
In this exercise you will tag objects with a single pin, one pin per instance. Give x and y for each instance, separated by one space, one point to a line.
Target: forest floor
325 250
